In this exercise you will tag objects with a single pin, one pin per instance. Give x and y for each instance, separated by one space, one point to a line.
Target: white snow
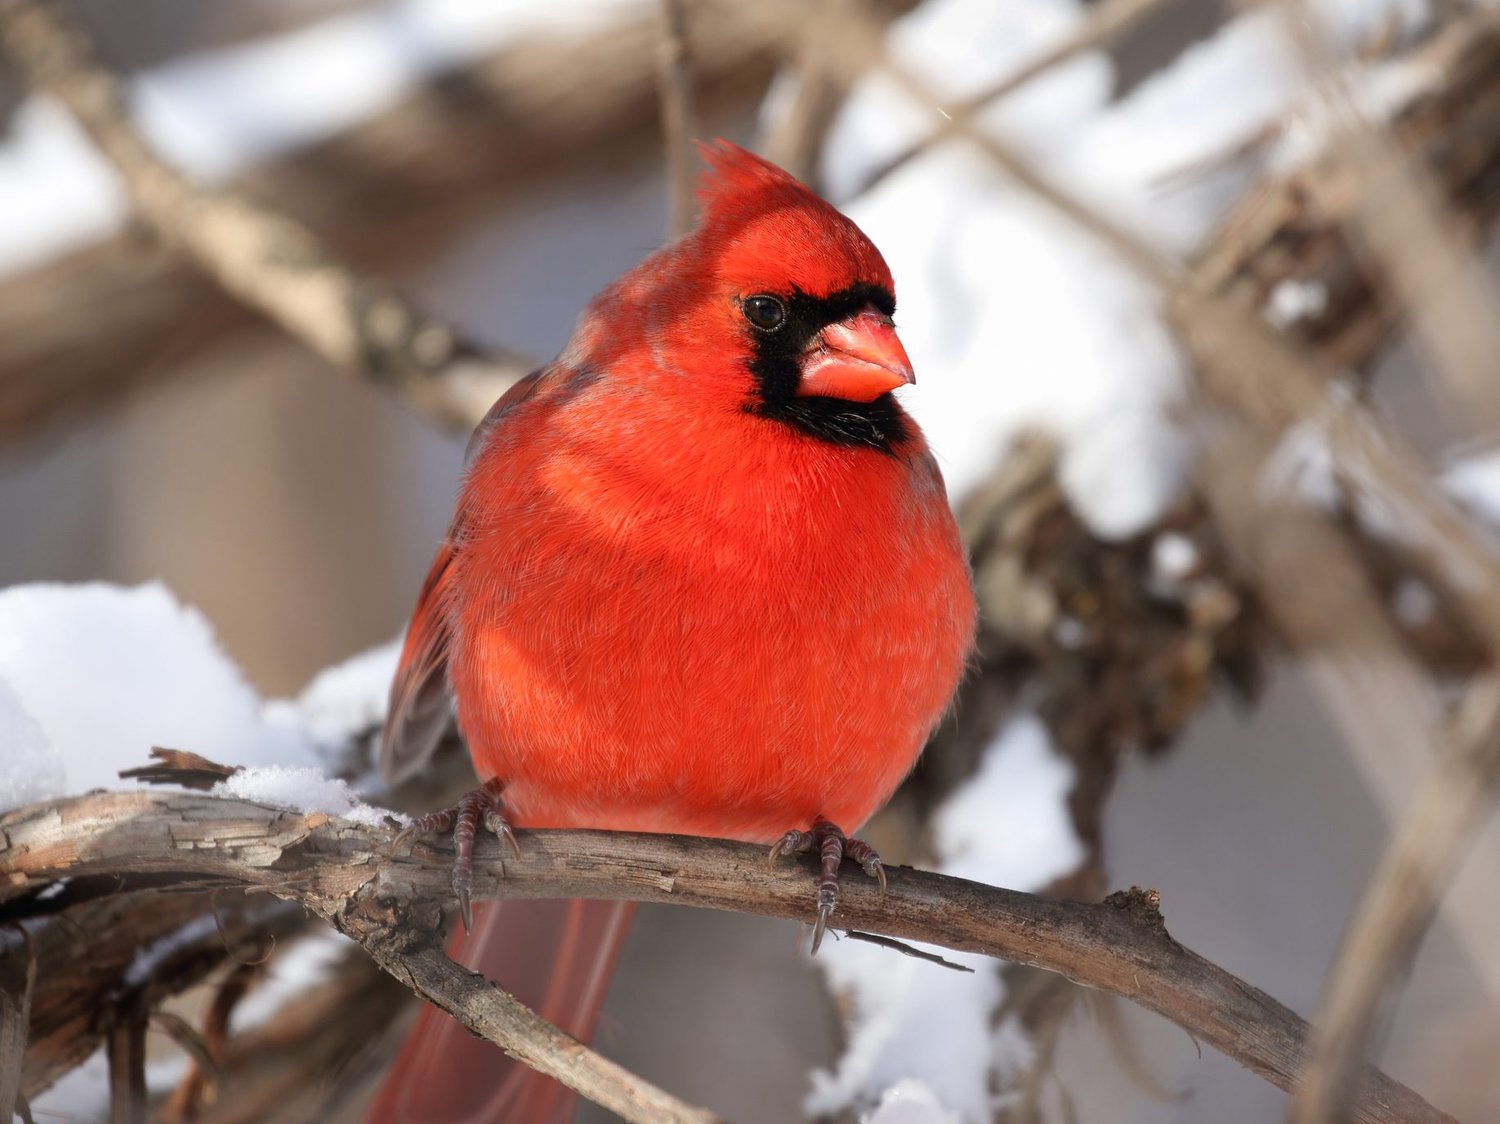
56 191
1013 318
1292 301
1016 321
149 959
1302 467
1173 557
910 1102
93 676
82 1094
216 113
105 673
349 698
1413 602
1474 481
302 789
32 770
1008 826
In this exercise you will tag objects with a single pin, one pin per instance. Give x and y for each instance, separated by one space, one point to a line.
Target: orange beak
857 359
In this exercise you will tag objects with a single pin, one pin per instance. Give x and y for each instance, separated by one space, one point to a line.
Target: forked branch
393 905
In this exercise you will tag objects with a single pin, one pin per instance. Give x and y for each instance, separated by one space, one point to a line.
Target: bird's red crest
756 213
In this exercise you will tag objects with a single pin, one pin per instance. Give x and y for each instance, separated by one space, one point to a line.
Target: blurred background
1231 642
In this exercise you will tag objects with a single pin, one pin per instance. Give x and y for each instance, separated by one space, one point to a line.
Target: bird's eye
765 312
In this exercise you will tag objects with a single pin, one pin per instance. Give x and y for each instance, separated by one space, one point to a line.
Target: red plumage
686 588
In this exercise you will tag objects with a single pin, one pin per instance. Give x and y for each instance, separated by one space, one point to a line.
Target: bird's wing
419 709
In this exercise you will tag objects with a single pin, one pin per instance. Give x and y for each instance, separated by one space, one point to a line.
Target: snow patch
218 112
106 672
1174 557
32 770
1474 481
350 698
93 676
1023 321
910 1102
1292 301
302 789
918 1021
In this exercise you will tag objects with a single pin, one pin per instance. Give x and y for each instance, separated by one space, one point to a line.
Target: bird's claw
832 846
482 807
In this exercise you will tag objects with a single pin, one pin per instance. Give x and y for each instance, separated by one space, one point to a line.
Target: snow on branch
394 906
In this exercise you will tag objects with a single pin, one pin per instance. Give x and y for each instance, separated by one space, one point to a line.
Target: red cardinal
702 578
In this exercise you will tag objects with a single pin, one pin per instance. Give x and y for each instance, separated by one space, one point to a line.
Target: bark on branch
393 904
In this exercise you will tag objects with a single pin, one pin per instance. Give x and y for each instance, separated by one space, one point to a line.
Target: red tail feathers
557 957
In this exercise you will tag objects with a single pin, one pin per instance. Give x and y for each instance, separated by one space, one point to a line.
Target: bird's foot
832 846
482 807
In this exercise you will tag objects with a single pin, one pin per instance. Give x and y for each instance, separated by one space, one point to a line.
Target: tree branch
1105 23
390 904
17 979
1451 805
263 257
678 121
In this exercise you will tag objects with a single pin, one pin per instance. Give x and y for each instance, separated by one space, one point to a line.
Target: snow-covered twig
392 904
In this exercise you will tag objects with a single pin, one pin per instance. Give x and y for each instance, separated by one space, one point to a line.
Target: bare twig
17 978
1400 903
88 957
793 137
1450 304
193 1044
678 121
207 1049
1245 364
906 950
260 255
390 904
179 766
126 1047
495 1015
1106 22
1399 226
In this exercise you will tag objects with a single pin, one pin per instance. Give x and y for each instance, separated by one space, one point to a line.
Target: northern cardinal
702 578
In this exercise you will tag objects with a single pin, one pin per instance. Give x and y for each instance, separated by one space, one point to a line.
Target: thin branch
1106 22
906 950
261 256
1449 302
1397 224
390 903
205 1069
497 1016
1399 905
17 979
203 1080
800 117
1244 363
678 122
126 1048
422 173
